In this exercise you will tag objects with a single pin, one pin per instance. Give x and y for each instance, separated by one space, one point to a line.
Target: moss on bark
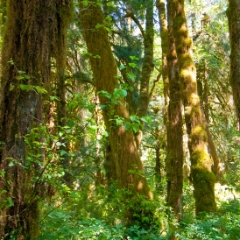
27 46
124 155
203 178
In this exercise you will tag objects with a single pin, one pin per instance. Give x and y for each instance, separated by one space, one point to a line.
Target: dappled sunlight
225 193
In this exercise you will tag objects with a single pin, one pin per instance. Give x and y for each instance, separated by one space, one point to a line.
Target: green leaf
11 164
105 94
9 202
19 78
119 121
132 76
98 25
132 65
63 152
25 87
135 127
3 192
127 127
134 118
96 56
40 89
121 67
110 4
119 93
146 119
71 123
52 98
134 58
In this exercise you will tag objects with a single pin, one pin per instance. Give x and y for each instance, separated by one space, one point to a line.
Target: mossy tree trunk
174 159
203 177
123 151
27 49
233 14
203 91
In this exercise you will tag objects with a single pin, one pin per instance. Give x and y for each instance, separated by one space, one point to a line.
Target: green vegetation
118 122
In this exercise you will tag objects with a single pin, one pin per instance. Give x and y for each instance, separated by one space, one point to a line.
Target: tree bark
203 177
233 14
147 68
26 53
165 47
64 15
174 159
127 164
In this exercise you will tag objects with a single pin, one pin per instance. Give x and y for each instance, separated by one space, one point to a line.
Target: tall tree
174 159
27 49
64 11
202 176
233 14
147 66
127 166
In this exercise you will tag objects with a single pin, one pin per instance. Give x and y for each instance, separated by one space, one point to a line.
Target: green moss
187 42
179 22
185 76
198 133
201 174
198 158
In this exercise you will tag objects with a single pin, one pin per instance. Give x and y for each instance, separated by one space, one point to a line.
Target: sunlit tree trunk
164 45
202 176
233 14
174 159
126 161
203 91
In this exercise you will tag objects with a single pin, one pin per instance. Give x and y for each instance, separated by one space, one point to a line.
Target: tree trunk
173 102
127 164
211 144
203 92
174 160
147 69
165 46
26 53
203 178
233 14
64 12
